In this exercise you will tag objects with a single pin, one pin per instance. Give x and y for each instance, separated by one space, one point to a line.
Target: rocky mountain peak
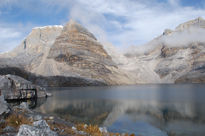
167 31
198 22
71 22
74 28
38 40
77 52
195 23
75 39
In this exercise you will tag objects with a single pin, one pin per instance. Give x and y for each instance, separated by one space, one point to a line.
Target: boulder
16 88
3 106
39 128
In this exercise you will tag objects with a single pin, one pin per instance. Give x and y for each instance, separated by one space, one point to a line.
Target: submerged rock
16 88
39 128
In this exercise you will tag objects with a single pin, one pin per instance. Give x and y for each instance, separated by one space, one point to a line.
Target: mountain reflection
165 108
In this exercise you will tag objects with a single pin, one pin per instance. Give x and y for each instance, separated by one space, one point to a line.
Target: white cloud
122 22
12 34
185 38
92 20
8 38
143 20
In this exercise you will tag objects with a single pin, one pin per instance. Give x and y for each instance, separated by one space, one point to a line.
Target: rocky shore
16 88
21 121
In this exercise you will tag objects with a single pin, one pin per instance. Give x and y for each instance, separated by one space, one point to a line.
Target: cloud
131 22
121 22
12 34
8 38
192 35
93 21
184 38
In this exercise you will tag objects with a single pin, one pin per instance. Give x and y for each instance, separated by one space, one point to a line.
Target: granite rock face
184 63
17 88
63 56
78 52
39 128
32 48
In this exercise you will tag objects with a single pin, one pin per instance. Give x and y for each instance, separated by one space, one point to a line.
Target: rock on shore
3 106
39 128
16 88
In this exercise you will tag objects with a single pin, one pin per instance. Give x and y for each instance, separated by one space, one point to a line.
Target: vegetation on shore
18 117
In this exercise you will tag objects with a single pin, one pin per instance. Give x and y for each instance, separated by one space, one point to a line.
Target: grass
16 120
93 130
90 130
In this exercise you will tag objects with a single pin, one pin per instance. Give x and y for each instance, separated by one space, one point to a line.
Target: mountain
63 56
70 55
33 47
177 56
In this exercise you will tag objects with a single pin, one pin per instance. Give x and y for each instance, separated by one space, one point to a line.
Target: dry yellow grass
16 120
93 130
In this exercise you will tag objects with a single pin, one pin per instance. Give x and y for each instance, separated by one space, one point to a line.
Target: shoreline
19 117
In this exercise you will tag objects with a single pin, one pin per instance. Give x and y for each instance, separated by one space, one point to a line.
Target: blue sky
120 22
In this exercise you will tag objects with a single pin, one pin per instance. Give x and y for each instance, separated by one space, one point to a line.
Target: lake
146 110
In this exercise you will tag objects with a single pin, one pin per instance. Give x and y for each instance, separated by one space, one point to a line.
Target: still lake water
146 110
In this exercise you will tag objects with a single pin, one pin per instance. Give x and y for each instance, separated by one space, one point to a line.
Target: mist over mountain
175 56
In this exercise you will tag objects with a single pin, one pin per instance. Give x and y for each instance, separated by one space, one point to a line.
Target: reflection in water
32 104
158 110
